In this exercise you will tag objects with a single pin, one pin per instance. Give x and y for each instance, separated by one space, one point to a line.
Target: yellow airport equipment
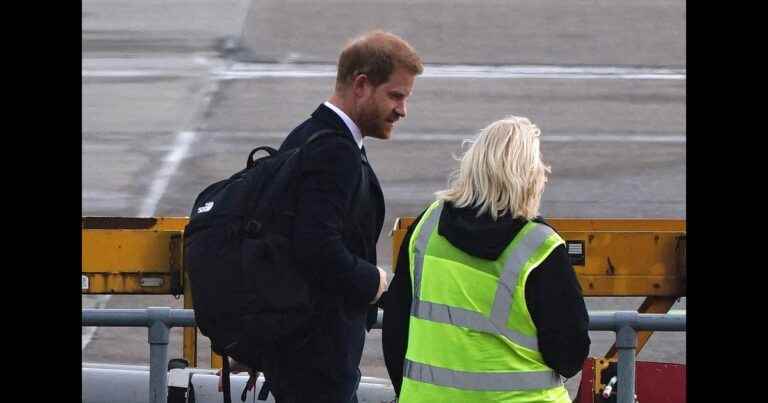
124 255
612 257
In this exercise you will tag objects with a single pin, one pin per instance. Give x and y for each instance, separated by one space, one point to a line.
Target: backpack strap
225 387
271 151
266 387
319 133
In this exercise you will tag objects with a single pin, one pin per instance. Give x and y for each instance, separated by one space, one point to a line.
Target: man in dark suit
340 215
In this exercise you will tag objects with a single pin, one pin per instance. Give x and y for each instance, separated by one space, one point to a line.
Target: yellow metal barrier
619 257
123 255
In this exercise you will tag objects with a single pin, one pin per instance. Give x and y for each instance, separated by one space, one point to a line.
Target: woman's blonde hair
502 171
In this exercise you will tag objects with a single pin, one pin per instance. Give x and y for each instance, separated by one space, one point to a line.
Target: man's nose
401 110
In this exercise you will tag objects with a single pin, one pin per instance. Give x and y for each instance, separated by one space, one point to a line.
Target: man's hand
383 284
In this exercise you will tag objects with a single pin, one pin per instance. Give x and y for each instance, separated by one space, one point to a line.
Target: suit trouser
304 374
305 385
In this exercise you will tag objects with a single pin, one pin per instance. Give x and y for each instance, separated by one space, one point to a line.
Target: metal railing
160 320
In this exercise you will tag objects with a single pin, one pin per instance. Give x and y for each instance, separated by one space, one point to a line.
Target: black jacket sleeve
556 305
397 308
330 172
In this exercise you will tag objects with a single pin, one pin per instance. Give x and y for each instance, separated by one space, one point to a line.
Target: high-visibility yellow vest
471 337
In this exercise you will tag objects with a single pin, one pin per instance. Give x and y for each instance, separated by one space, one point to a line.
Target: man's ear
360 85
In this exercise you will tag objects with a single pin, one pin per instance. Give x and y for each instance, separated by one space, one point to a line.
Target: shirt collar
356 134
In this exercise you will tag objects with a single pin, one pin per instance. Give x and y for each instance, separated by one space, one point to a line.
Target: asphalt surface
163 116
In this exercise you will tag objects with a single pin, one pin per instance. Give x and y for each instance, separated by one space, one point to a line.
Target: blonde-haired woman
484 305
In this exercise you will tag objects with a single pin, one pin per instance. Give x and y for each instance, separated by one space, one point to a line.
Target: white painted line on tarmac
240 71
151 67
153 73
613 138
248 71
162 178
669 138
553 138
101 301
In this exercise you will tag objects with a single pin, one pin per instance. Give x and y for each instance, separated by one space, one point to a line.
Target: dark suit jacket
336 248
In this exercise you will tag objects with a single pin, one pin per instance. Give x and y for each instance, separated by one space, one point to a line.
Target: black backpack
246 289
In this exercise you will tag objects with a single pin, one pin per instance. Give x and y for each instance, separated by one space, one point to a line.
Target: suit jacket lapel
377 194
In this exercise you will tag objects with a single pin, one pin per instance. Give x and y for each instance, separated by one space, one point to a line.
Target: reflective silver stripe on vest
470 319
453 315
502 302
501 381
421 246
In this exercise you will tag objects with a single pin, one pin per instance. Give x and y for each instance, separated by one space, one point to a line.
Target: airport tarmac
176 93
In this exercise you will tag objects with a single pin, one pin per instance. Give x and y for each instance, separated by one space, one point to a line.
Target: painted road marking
669 138
96 68
265 70
163 176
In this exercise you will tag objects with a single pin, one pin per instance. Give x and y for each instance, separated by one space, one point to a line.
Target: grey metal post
626 343
158 353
